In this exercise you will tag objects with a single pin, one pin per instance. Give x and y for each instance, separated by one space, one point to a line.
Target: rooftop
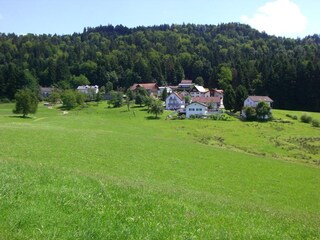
260 98
206 99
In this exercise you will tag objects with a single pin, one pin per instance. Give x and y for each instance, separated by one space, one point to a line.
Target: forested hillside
288 70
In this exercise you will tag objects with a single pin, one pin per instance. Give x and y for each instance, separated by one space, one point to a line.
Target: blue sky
291 18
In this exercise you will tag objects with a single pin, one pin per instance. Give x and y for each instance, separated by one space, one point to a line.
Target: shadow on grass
23 117
64 108
137 106
152 118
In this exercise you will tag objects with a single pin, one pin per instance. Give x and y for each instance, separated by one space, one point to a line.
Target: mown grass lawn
103 173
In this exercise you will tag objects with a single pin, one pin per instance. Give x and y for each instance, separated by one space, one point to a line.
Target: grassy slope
103 173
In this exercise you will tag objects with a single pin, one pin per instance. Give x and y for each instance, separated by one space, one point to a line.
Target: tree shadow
137 106
152 118
23 117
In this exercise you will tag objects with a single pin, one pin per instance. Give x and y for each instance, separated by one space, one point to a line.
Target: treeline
288 70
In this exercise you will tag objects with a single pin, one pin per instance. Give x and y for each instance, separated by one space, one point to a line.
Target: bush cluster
177 117
294 117
306 118
315 123
221 117
4 100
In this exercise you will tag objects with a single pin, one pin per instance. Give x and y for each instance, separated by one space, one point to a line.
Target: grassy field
103 173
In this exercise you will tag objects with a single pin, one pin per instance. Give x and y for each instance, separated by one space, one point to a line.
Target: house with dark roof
175 101
185 85
45 91
152 88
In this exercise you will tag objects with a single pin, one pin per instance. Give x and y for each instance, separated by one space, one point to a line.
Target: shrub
214 117
4 100
224 117
294 117
306 118
183 116
315 123
250 113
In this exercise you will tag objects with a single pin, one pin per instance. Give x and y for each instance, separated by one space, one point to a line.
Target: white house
161 89
196 108
253 101
88 89
213 103
199 91
175 101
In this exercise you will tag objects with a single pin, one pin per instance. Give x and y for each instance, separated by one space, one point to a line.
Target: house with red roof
216 93
152 88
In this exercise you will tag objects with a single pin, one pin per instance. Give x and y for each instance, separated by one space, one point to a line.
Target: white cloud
279 17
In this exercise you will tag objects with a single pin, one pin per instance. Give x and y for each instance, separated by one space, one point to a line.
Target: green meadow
105 173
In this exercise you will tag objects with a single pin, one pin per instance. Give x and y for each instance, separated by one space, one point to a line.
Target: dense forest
288 70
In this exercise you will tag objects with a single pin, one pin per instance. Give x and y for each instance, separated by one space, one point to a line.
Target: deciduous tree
26 102
156 107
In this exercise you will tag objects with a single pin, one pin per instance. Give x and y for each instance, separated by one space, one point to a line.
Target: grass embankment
102 173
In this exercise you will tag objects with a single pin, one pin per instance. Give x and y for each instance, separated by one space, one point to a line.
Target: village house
45 91
213 103
196 109
175 101
151 88
216 93
253 101
185 85
199 91
161 89
202 106
88 90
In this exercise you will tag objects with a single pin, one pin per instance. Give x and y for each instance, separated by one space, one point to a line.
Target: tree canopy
26 102
156 107
288 70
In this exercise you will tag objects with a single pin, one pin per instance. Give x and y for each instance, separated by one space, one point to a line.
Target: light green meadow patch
103 173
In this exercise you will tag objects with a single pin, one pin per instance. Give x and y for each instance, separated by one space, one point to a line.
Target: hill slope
103 173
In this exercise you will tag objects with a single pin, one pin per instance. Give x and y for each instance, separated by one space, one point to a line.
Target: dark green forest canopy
288 70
